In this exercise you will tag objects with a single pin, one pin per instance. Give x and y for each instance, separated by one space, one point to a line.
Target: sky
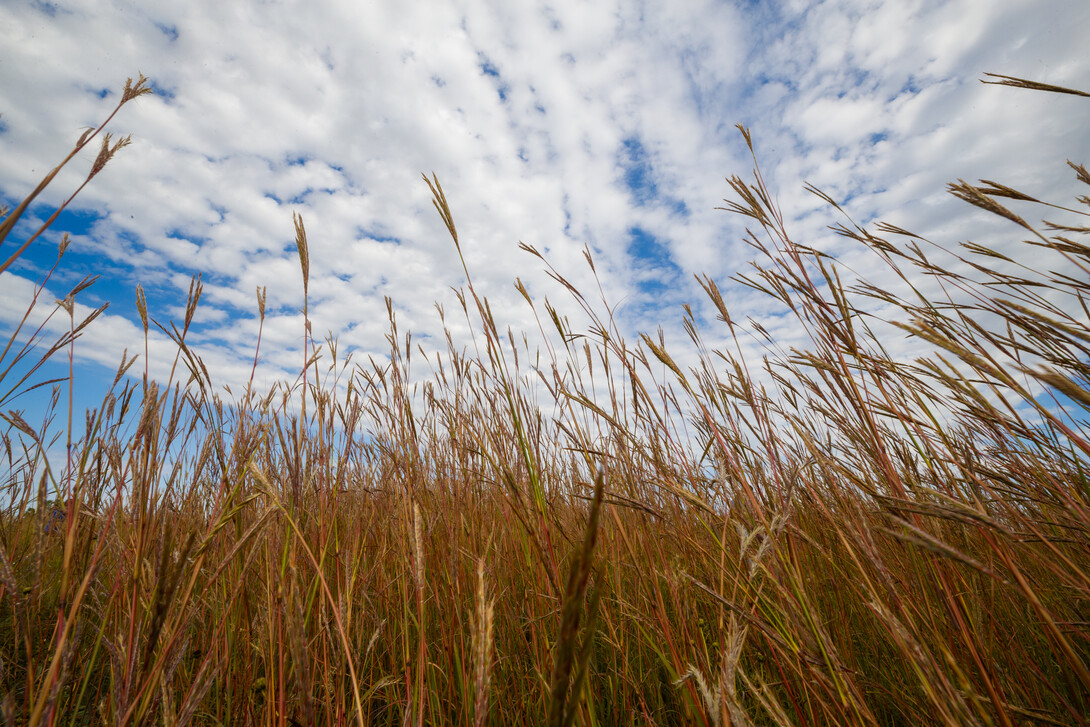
567 125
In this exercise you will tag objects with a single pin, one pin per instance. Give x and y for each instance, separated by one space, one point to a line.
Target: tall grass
838 537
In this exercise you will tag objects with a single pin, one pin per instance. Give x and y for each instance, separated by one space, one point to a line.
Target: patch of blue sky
565 205
363 233
176 233
170 31
161 92
643 245
298 198
23 398
219 210
45 408
1062 406
486 65
488 68
301 197
81 260
638 171
42 253
639 178
50 9
911 86
657 273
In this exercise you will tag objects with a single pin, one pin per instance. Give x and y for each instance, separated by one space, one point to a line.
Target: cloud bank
564 125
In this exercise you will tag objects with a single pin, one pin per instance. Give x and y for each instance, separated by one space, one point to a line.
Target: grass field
833 537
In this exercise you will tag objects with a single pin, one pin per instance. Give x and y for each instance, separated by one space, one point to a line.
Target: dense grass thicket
829 536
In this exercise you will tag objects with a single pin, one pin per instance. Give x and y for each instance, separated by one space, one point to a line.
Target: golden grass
846 538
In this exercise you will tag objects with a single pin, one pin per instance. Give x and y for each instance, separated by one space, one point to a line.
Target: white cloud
335 109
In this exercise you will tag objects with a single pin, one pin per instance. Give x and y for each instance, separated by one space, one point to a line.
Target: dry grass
847 538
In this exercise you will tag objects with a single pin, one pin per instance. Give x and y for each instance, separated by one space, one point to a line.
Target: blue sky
562 125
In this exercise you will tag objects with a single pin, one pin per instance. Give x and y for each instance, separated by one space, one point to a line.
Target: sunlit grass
841 537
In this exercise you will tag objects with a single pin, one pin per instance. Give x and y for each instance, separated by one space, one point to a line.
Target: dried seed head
418 546
995 189
711 701
977 197
196 287
142 306
135 90
149 417
1080 172
482 641
106 153
304 251
1031 85
16 420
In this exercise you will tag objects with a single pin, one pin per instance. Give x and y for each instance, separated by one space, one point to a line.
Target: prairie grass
838 537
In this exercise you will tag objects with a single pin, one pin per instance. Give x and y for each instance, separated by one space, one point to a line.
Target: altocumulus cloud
564 125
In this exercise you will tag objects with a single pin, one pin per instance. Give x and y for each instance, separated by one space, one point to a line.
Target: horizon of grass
832 536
